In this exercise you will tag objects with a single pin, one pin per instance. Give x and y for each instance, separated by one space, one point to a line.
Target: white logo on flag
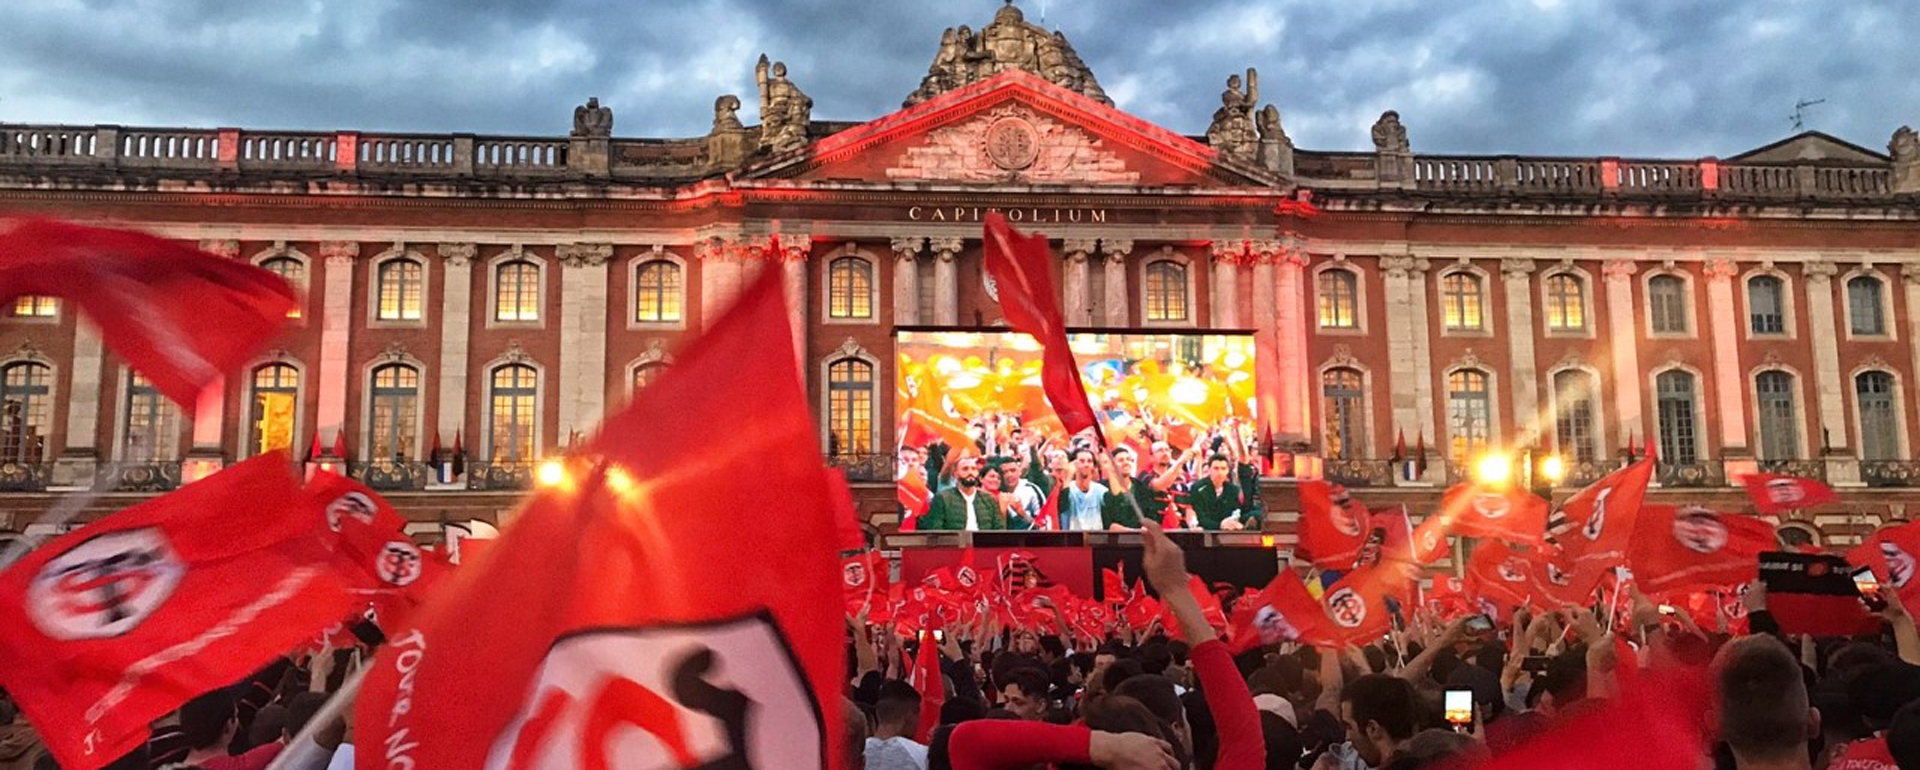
1900 564
1700 530
352 504
105 586
399 563
1785 492
854 574
1347 608
1597 523
1491 506
1273 626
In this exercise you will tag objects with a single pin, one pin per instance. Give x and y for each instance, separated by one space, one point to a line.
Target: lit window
1344 405
275 386
1566 303
1339 299
1779 428
656 292
396 407
514 397
402 283
1667 301
1469 414
646 374
1863 306
295 275
35 306
516 291
1460 301
153 424
1573 419
850 288
1166 284
26 411
1675 400
1873 395
850 406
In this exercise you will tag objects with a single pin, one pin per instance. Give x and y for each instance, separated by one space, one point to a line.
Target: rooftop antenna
1800 112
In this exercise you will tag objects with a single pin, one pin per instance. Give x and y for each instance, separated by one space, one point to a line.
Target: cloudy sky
1680 78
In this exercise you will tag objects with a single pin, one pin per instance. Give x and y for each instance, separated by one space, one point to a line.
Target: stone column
1423 365
210 410
1225 293
1830 443
583 336
719 276
1078 298
946 280
1115 251
80 455
1910 276
336 328
456 331
906 280
1290 322
1403 396
1727 381
1517 276
1625 325
793 259
1266 338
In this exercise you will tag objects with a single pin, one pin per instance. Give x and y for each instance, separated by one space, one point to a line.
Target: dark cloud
1677 78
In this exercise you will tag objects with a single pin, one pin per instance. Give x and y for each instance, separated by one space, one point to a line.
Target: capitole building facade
1752 312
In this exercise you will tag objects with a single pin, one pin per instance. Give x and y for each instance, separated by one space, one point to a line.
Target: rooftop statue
1008 42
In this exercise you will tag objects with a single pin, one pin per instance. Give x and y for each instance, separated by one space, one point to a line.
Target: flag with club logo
111 626
1356 604
394 572
925 677
1554 586
1774 494
1686 547
1898 547
1281 612
864 579
1603 516
1022 270
1506 513
623 620
1332 527
1498 573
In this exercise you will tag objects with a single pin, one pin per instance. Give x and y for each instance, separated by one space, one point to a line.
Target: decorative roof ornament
1008 42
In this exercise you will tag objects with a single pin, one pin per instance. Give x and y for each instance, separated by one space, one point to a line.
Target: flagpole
329 711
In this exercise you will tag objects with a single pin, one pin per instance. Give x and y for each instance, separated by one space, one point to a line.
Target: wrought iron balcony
391 475
1580 474
158 476
1701 474
1890 473
1806 469
1358 473
864 467
17 476
490 477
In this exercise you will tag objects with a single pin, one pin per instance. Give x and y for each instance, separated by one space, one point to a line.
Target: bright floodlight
1552 469
552 472
1494 469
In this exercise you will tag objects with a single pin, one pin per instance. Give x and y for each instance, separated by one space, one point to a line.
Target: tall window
270 423
401 286
1339 299
1469 414
153 424
849 288
656 292
1767 305
850 406
394 413
1344 405
1566 303
1675 397
1667 301
34 306
1779 430
1166 284
295 274
26 411
1864 313
514 397
645 374
1873 396
1460 301
1573 423
516 291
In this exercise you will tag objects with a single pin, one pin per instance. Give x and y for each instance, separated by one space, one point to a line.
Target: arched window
1794 534
1667 304
515 394
850 288
295 274
394 413
401 289
1767 304
1469 414
1676 398
1166 287
1865 316
850 406
1573 420
153 424
1879 419
645 374
26 411
1339 299
516 291
34 306
657 287
1779 426
1344 404
1566 303
270 420
1460 301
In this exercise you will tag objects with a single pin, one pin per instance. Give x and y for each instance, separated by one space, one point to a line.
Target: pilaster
1517 277
1078 299
456 331
583 336
336 328
1627 380
1225 293
1821 322
1729 387
946 280
1402 383
906 280
1115 251
80 454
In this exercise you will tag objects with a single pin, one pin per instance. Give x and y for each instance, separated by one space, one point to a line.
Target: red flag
1681 548
1898 547
1499 574
914 496
177 314
864 581
1448 597
340 444
109 627
1420 455
1506 513
1021 267
1356 606
1657 724
1281 612
342 499
1603 516
1554 586
1399 541
1775 494
933 689
1141 612
1210 608
625 599
1113 586
1332 527
846 520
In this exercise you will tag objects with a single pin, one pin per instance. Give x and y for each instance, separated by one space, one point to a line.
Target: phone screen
1479 624
1536 664
1869 587
1459 706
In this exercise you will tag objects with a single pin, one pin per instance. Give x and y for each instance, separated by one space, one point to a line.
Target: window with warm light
1343 405
1879 416
295 274
1667 304
1573 422
513 396
646 374
657 287
270 419
1460 302
401 289
1866 315
1566 303
1767 305
1779 423
26 411
516 291
1166 288
1676 399
152 424
394 413
1339 299
850 407
1469 415
34 306
850 288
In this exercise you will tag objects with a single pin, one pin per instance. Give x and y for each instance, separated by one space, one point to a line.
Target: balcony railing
1702 474
1806 469
158 476
864 467
16 476
391 475
1358 473
1890 473
492 477
1580 474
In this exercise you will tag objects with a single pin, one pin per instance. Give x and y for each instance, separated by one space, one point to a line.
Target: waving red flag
1603 518
1554 584
1656 724
925 677
1281 612
1680 548
109 627
177 314
864 581
1898 547
1400 542
1776 494
623 621
1332 527
1021 267
1505 513
1499 574
1356 606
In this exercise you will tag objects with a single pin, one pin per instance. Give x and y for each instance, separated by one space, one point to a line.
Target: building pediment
1015 128
1810 146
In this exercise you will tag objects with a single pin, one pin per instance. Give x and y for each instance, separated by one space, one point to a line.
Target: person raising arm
1241 743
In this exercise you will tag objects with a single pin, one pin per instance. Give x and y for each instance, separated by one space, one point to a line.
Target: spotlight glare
1494 469
1552 469
552 473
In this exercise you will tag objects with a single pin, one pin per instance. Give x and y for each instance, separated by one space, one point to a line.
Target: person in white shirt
897 716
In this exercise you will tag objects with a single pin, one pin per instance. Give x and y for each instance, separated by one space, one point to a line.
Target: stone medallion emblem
1012 143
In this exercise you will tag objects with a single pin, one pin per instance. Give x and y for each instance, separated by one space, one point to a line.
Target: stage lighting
552 472
1494 469
1552 469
